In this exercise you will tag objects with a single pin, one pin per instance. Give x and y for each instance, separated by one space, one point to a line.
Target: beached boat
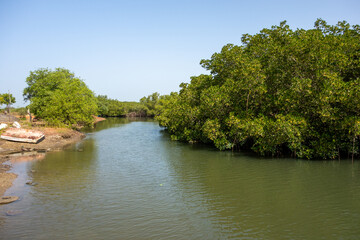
22 135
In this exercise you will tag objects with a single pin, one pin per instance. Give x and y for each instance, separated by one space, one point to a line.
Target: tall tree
59 97
8 99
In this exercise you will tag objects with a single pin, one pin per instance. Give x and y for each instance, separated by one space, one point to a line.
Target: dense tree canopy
60 98
150 103
108 107
147 107
282 91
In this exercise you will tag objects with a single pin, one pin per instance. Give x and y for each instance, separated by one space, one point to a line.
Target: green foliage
150 103
281 91
60 98
114 108
149 106
154 103
7 99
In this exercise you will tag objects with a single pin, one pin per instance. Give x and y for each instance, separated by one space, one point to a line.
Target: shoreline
55 139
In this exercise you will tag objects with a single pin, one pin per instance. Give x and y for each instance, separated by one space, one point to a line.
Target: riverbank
6 178
98 119
55 139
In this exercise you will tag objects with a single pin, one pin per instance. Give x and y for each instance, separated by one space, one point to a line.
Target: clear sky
129 49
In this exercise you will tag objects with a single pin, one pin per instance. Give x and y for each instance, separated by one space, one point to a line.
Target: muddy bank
6 178
98 119
55 139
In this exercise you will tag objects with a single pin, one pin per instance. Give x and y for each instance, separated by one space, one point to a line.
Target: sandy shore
55 139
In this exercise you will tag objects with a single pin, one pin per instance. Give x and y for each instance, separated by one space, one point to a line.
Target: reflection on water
114 122
271 198
26 156
127 180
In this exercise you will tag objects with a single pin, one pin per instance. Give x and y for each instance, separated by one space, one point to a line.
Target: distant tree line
108 107
147 106
282 92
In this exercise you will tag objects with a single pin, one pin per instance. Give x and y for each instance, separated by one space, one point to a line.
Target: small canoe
22 135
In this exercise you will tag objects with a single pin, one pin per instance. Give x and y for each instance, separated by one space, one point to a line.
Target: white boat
22 135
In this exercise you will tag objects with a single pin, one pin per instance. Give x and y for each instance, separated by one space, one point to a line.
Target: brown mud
55 139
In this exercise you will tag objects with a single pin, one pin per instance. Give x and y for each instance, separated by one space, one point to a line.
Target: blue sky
130 49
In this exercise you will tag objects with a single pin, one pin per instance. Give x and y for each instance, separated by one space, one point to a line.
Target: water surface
127 180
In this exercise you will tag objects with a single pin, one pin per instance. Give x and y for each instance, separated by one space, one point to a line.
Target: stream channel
128 180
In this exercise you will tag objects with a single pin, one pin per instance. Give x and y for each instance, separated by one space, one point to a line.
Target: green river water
128 180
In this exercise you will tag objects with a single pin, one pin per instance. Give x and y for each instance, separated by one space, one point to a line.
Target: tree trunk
9 102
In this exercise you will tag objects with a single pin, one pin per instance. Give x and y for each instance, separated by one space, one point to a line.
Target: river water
128 180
